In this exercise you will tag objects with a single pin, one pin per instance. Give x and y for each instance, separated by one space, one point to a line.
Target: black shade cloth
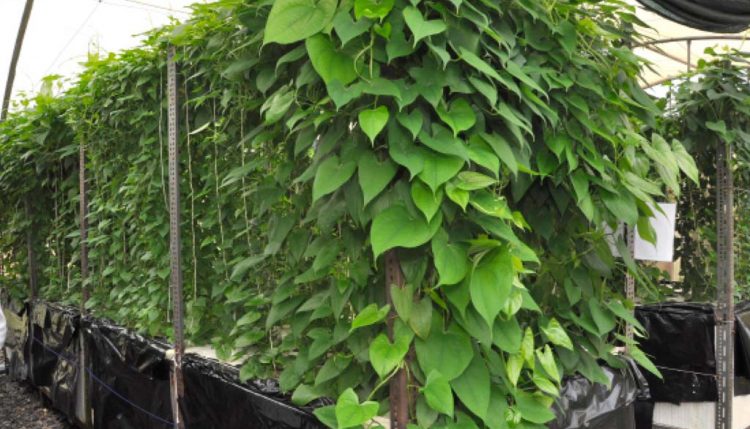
680 341
216 399
717 16
127 366
54 348
583 404
129 376
16 343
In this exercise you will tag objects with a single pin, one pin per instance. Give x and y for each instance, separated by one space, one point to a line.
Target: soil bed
21 407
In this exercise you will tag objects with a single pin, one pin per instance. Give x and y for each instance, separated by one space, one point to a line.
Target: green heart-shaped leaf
427 202
441 140
450 259
491 283
374 175
372 121
437 392
350 413
386 356
293 20
331 175
330 63
373 9
438 169
459 117
412 121
473 388
420 27
396 227
370 315
431 353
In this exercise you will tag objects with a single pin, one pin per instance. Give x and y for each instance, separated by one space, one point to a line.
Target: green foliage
707 109
485 144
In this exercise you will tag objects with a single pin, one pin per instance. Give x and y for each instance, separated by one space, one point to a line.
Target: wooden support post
725 287
174 240
399 387
83 411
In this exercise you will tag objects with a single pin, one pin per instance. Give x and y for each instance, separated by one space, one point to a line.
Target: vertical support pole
725 287
629 280
689 55
84 409
31 259
14 59
174 239
399 393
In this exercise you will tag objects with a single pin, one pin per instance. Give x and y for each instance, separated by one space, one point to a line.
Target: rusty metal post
174 239
83 411
399 387
629 280
725 286
31 260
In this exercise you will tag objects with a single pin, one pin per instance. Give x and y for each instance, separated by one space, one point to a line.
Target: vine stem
192 192
383 382
244 189
216 189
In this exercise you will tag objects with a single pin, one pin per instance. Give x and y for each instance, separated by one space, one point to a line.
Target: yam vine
487 143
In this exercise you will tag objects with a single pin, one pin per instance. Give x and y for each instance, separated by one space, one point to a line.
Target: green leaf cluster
484 144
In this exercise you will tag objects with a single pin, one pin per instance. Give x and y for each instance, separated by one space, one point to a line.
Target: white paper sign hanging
664 228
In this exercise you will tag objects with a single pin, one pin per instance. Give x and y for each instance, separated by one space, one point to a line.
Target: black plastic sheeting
718 16
54 350
129 376
16 342
583 404
215 399
129 381
680 341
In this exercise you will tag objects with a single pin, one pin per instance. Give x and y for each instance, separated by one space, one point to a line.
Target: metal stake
84 407
399 393
725 287
629 280
31 259
174 239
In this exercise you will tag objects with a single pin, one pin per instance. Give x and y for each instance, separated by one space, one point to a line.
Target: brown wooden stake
399 386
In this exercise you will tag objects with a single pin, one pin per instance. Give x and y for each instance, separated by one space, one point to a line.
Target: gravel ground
21 407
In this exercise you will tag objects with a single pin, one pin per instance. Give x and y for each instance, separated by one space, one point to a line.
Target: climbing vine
485 145
708 108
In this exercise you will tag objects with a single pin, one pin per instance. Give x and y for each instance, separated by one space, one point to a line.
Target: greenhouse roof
670 51
62 33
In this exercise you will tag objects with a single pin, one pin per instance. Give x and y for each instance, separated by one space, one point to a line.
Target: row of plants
706 109
488 146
